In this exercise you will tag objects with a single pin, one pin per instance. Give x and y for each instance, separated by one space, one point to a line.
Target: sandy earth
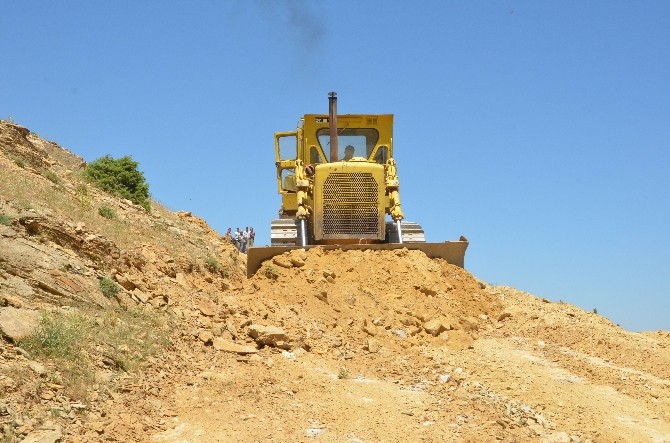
318 346
543 372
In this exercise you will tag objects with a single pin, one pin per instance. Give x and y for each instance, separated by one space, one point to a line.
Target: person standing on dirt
238 239
228 238
252 235
245 239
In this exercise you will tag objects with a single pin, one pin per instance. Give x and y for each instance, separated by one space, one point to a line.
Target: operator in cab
348 153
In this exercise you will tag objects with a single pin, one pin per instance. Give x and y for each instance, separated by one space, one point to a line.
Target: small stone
44 436
141 296
469 323
47 395
373 346
37 368
206 337
369 329
221 344
298 263
503 315
268 335
557 437
434 327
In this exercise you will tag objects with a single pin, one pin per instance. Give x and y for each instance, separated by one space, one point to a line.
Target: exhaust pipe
332 119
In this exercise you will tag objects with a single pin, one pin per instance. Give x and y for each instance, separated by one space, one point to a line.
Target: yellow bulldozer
338 182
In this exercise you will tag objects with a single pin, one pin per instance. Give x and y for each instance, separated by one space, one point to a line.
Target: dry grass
76 201
73 345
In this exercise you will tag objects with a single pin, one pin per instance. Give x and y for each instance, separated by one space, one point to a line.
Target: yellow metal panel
349 201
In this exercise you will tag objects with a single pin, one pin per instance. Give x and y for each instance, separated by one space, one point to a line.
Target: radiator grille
350 205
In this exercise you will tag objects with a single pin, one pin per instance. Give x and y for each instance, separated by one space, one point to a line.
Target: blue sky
539 130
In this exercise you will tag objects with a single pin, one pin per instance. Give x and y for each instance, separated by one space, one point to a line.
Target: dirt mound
171 343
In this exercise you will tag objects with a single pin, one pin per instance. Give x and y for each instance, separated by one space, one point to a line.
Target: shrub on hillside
108 288
120 177
106 212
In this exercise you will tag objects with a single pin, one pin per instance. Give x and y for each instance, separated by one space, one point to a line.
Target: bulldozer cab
370 136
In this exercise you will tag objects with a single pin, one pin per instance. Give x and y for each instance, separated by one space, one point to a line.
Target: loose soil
318 346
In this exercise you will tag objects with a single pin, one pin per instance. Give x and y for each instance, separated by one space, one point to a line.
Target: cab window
382 155
288 148
363 140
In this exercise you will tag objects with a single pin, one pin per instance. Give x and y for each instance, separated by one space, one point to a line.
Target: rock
373 346
97 426
282 262
535 430
141 296
158 301
205 336
297 262
232 329
445 378
503 315
268 335
469 323
207 307
44 436
37 368
181 279
426 290
434 327
221 344
218 376
327 273
12 301
17 324
218 328
369 328
557 437
322 295
125 282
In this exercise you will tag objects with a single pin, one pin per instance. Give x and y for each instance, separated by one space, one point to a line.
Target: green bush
5 220
212 264
108 288
271 272
52 177
106 212
120 177
58 337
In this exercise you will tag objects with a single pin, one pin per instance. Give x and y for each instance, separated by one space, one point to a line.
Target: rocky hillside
123 325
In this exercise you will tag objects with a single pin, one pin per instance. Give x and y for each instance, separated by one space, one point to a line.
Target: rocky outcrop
18 324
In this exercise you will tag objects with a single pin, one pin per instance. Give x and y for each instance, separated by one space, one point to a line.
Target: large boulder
17 324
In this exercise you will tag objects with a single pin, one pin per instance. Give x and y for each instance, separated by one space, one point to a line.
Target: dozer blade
452 251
